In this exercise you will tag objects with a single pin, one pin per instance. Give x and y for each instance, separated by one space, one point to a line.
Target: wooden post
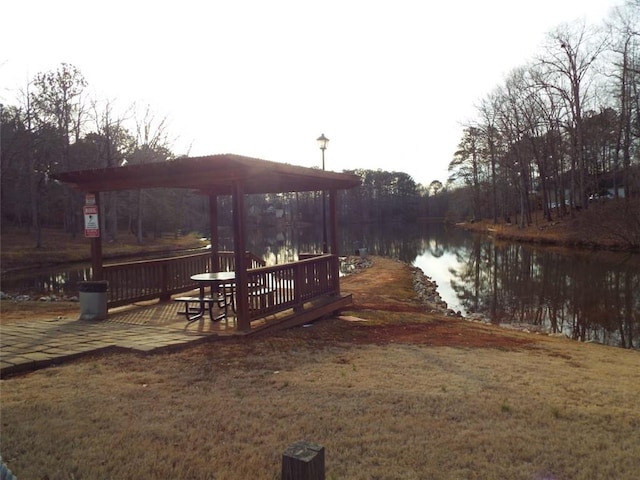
303 461
213 228
96 259
335 262
96 249
164 283
239 246
333 220
299 286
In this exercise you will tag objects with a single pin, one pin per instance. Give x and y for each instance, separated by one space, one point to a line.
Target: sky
391 83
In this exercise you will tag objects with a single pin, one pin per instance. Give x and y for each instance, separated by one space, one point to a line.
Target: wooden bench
196 312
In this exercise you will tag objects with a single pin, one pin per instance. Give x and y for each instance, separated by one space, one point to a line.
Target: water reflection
585 295
590 296
47 282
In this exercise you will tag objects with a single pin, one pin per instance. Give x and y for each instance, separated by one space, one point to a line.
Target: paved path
33 344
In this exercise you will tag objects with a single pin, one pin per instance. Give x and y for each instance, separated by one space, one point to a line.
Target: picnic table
221 286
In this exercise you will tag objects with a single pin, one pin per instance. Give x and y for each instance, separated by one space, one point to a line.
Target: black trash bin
93 300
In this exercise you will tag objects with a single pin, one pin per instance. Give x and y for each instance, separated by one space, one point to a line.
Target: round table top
213 276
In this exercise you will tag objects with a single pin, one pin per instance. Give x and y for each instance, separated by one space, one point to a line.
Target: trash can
93 300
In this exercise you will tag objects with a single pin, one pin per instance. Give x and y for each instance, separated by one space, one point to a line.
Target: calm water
589 296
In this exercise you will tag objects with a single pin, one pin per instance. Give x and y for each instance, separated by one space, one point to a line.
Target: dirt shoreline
607 227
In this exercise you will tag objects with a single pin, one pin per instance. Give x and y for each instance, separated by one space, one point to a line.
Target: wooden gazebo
237 176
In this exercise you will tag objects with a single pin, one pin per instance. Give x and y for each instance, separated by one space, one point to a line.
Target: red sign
91 222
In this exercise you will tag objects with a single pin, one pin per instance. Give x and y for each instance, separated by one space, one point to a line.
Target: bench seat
193 307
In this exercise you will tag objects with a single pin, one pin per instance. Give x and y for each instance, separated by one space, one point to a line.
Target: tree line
561 131
55 127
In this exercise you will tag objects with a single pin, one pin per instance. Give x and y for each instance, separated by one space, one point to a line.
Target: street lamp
322 143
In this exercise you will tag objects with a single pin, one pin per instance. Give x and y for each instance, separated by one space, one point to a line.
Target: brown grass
402 395
23 311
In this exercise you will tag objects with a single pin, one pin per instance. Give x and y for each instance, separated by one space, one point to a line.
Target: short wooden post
303 461
164 282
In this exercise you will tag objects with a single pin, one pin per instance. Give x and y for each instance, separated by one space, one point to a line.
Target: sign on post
91 223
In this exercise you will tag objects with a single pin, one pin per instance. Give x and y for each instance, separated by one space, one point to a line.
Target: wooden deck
308 288
166 313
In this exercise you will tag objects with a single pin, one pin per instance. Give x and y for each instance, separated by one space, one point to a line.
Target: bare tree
467 165
624 30
37 170
56 105
152 145
569 58
488 114
115 144
56 101
515 128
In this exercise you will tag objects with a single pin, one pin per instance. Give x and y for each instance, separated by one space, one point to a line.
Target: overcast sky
388 82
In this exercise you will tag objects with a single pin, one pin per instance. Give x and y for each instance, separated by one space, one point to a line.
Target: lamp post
322 143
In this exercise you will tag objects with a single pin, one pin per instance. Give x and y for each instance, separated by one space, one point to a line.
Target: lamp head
322 142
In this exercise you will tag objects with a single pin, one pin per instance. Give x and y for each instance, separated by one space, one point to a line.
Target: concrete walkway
33 344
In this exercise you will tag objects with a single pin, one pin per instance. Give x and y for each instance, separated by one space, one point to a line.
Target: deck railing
280 287
271 289
148 279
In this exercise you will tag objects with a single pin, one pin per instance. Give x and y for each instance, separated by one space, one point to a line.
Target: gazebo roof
210 174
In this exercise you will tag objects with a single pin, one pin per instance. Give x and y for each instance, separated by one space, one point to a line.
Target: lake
586 295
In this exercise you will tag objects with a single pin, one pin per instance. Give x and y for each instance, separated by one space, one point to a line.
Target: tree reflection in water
589 296
586 295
